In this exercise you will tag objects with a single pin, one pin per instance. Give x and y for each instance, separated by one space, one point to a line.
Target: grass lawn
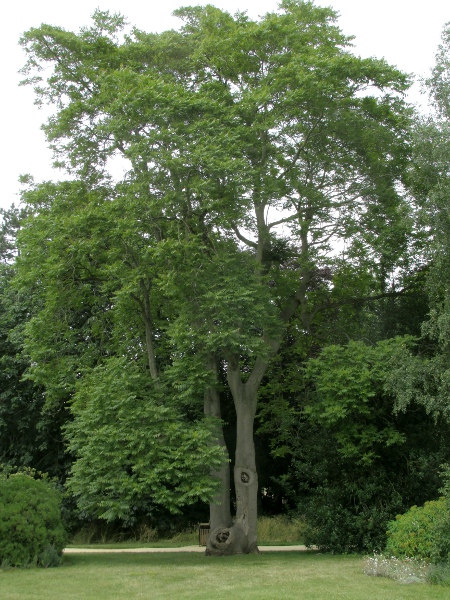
269 576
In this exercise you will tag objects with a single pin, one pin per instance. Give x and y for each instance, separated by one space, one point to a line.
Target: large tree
264 166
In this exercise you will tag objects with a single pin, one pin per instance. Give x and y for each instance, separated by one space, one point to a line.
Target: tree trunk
245 476
241 536
219 508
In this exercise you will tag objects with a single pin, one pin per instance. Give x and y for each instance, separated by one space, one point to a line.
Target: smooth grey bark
245 475
241 536
219 508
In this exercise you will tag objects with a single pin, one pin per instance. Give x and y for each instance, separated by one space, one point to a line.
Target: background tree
29 435
423 378
254 148
354 462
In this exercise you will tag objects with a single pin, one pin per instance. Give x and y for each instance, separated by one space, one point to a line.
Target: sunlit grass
191 576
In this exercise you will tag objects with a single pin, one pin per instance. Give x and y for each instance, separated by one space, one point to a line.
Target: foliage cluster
422 533
31 528
133 448
354 463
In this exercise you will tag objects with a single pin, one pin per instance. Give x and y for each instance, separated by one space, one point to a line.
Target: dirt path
182 549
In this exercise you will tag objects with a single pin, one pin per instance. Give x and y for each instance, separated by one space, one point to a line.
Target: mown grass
191 576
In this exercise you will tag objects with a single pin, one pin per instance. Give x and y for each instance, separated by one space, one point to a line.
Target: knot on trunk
245 475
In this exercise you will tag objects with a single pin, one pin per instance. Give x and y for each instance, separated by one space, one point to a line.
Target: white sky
405 32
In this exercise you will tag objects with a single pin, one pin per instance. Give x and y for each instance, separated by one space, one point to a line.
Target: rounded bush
31 528
421 533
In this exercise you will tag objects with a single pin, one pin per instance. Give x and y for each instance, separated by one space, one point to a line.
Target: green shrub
439 574
355 463
352 517
421 533
31 528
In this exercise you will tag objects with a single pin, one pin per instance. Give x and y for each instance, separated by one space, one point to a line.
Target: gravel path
182 549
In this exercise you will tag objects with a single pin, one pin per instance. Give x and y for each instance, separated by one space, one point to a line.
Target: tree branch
243 239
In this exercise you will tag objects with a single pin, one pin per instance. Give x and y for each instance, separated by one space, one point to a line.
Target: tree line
255 315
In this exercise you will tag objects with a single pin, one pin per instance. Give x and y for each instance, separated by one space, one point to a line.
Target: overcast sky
404 32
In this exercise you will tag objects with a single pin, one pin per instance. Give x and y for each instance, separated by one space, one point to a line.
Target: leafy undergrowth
278 530
192 576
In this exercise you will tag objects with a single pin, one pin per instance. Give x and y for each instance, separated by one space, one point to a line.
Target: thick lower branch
149 336
144 305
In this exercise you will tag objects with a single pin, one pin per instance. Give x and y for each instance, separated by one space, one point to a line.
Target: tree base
226 541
